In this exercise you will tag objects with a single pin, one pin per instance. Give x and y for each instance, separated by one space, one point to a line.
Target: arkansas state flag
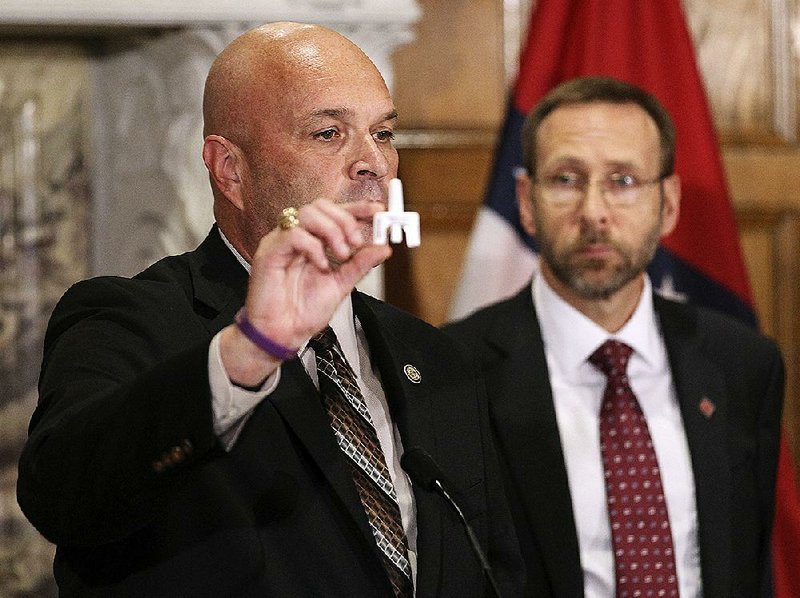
647 44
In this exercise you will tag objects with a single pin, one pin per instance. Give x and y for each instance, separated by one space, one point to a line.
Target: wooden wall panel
445 185
770 242
765 189
452 75
734 53
758 243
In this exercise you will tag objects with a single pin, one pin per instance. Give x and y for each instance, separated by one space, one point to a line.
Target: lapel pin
412 373
707 407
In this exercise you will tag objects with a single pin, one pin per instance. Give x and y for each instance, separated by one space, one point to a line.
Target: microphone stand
473 540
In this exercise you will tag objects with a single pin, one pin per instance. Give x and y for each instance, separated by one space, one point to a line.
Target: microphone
424 472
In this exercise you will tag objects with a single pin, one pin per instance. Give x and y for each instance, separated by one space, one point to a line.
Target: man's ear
671 205
224 162
524 188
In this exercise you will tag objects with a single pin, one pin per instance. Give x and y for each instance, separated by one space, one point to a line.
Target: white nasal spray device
394 223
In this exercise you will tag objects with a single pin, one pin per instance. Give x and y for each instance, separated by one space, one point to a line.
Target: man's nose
593 206
370 160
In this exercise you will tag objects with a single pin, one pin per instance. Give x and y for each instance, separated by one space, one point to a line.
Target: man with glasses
638 436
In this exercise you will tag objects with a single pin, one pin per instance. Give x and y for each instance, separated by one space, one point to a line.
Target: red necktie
643 553
355 433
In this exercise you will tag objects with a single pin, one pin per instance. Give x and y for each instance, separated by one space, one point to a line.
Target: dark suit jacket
733 452
123 471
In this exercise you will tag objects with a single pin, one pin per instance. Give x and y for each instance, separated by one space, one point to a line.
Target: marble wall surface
151 193
44 216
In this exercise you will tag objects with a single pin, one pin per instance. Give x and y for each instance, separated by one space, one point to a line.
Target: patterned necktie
355 433
643 552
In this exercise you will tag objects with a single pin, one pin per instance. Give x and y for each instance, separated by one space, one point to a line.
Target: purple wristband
262 342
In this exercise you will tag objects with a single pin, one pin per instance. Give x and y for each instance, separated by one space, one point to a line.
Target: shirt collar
343 324
571 337
236 254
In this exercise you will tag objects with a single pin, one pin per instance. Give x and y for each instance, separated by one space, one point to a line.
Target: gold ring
289 218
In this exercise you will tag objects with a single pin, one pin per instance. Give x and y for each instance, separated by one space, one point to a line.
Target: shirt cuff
232 405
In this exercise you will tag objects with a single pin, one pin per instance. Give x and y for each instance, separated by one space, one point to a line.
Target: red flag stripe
786 533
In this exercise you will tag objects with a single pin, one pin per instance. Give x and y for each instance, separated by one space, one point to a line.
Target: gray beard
573 276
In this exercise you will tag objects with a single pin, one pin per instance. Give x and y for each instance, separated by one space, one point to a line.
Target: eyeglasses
618 189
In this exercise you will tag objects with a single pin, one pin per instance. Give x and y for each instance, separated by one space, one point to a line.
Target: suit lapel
218 282
527 432
410 407
409 402
700 387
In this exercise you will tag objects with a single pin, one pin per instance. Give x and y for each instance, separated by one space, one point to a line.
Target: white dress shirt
569 339
232 405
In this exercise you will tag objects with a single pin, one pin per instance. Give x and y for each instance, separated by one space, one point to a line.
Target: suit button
187 447
176 455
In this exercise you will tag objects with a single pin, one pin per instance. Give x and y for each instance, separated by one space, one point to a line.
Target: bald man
185 442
